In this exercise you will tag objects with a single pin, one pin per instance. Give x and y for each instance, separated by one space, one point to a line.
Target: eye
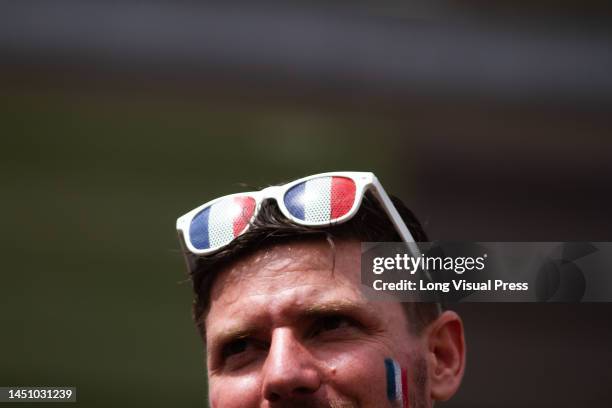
330 324
234 347
239 353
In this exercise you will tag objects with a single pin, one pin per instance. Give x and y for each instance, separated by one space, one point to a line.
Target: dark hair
370 224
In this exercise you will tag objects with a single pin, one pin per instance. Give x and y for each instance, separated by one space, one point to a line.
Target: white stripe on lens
317 199
221 222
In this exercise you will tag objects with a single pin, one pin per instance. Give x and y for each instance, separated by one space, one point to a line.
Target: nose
290 371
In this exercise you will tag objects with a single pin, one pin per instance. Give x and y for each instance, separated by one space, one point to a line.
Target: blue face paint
391 388
396 382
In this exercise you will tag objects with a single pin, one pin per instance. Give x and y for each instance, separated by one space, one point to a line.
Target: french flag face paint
321 200
397 383
220 223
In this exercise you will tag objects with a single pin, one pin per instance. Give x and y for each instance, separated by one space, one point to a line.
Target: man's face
288 328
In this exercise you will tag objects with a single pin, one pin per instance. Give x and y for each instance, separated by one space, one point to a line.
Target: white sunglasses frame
364 181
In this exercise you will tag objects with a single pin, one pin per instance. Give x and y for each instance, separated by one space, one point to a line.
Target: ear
446 355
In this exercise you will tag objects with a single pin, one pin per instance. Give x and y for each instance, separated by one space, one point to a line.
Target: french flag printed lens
219 224
322 199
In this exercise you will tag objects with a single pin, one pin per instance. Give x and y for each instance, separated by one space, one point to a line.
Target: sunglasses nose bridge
270 192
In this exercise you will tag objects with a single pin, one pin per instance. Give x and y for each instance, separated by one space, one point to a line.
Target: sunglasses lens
219 224
320 200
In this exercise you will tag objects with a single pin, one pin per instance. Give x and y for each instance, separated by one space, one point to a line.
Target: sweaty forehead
287 260
294 271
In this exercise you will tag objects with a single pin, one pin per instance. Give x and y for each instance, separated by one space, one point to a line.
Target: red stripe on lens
247 208
342 196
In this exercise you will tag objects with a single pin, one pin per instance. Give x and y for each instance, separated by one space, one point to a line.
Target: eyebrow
232 333
338 306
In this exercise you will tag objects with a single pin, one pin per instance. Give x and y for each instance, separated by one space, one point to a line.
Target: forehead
304 261
287 277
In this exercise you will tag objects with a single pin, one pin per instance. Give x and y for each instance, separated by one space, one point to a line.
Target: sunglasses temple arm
400 225
190 259
395 217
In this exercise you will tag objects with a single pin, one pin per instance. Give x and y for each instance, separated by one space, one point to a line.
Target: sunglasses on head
320 200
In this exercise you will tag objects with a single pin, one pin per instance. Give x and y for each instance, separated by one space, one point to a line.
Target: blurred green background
491 122
93 291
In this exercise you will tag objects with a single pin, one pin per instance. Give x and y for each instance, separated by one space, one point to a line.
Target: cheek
234 392
359 375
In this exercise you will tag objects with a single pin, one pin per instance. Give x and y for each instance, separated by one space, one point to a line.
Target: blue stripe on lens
198 230
294 201
390 370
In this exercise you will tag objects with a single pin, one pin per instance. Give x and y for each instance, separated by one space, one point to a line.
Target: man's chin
343 404
317 404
